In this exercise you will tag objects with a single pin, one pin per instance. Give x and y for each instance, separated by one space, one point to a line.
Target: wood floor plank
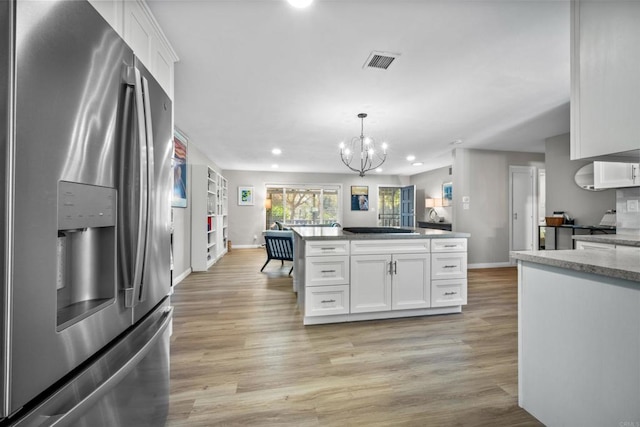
240 356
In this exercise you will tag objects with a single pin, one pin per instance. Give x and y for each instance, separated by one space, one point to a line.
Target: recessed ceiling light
379 170
276 151
456 142
300 3
274 166
411 158
417 164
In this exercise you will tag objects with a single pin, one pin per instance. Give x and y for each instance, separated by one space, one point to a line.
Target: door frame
533 173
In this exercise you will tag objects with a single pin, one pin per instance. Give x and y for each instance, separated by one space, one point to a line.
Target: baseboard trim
179 278
490 265
245 247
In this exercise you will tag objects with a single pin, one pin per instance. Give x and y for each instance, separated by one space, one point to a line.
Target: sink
377 230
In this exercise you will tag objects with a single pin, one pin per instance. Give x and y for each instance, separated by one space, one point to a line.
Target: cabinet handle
450 246
395 267
327 271
450 266
328 249
390 271
326 301
450 293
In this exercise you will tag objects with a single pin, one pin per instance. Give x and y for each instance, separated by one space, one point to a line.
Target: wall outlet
632 206
255 237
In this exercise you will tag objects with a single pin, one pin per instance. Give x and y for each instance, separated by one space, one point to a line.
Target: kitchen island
343 276
579 336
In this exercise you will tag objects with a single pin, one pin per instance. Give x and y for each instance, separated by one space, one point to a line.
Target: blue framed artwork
359 198
447 194
179 169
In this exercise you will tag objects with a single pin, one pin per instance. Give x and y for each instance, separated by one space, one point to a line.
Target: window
389 206
303 204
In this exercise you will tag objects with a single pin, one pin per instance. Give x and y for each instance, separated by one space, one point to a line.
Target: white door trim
533 173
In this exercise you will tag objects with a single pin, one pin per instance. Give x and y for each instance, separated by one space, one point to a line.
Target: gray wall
246 223
483 176
587 207
563 194
429 184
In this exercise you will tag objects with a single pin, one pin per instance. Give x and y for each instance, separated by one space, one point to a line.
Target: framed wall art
245 196
359 198
447 194
179 169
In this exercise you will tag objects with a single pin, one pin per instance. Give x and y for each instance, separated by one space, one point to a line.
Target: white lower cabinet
326 300
390 282
376 279
370 283
410 283
594 245
449 265
327 270
448 272
448 292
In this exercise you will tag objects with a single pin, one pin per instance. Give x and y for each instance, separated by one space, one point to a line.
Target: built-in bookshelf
208 217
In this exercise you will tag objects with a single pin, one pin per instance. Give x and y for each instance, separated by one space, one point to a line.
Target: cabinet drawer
375 247
448 245
449 265
327 247
327 270
326 300
445 293
594 245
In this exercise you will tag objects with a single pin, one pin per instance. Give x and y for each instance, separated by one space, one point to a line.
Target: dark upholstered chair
279 248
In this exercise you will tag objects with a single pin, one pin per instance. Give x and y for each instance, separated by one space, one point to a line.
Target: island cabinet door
411 281
370 283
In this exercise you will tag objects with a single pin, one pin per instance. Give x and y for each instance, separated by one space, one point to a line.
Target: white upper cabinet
112 12
616 175
135 23
605 82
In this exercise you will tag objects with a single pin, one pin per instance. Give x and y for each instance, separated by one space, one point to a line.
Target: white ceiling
259 74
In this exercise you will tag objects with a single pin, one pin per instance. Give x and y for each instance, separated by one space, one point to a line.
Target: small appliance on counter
609 218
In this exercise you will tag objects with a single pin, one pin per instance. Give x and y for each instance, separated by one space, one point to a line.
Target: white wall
182 218
246 223
483 176
429 184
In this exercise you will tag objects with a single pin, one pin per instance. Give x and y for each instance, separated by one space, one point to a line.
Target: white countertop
336 233
621 264
614 239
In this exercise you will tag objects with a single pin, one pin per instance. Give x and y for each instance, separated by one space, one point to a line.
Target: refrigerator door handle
141 294
131 294
93 397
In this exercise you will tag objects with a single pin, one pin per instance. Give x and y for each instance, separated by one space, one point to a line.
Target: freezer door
126 386
156 277
65 299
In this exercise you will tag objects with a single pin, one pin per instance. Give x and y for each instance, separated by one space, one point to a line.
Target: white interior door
522 207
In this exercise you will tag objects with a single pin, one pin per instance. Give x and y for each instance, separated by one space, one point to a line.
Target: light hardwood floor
241 356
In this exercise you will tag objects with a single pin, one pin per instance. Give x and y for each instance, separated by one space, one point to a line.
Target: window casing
303 204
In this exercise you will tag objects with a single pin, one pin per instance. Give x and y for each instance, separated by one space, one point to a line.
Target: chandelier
362 150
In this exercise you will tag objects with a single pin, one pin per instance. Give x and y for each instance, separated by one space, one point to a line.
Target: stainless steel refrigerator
85 137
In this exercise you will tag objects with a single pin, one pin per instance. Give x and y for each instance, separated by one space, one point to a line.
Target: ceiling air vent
380 60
